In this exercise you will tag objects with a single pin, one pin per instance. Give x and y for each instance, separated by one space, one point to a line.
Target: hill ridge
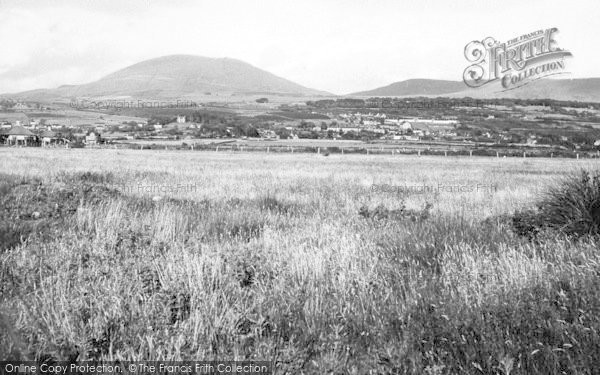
175 76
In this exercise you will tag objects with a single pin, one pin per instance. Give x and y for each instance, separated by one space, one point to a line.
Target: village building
370 123
49 138
405 126
18 135
21 107
181 119
267 133
92 138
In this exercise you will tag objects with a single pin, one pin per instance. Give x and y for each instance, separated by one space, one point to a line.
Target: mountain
415 87
181 76
581 89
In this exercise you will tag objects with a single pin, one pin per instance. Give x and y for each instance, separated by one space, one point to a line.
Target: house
405 126
18 135
20 107
181 119
531 141
267 133
49 137
392 121
92 138
597 143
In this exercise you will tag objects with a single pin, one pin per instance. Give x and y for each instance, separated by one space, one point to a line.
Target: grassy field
66 115
323 265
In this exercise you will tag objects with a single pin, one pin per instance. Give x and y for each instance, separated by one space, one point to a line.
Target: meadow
345 264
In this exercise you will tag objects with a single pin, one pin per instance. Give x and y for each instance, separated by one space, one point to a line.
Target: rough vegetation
572 207
295 260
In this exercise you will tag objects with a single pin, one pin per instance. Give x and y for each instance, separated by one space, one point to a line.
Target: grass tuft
571 208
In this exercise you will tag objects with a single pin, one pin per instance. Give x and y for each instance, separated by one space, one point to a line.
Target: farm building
18 135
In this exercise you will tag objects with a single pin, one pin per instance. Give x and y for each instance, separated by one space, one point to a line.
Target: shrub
572 207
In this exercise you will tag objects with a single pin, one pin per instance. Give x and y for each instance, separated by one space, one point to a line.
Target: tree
283 133
306 125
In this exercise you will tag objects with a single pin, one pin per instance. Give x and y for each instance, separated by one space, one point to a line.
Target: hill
180 76
415 87
582 89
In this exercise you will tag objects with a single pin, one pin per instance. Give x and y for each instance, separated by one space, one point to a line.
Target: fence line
344 150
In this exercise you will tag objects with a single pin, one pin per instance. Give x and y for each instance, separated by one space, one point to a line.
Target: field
65 115
323 265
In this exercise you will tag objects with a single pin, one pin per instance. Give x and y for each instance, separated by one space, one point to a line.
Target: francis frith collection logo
516 62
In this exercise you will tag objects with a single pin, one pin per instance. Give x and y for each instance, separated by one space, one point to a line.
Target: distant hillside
583 89
415 87
180 76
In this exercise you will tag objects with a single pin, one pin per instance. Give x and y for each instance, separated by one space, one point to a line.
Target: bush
572 208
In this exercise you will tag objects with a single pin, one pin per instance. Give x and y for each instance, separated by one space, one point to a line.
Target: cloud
337 46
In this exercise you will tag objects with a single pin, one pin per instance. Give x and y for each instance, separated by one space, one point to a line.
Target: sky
332 45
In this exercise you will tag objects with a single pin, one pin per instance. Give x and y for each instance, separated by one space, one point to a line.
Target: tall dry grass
268 257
